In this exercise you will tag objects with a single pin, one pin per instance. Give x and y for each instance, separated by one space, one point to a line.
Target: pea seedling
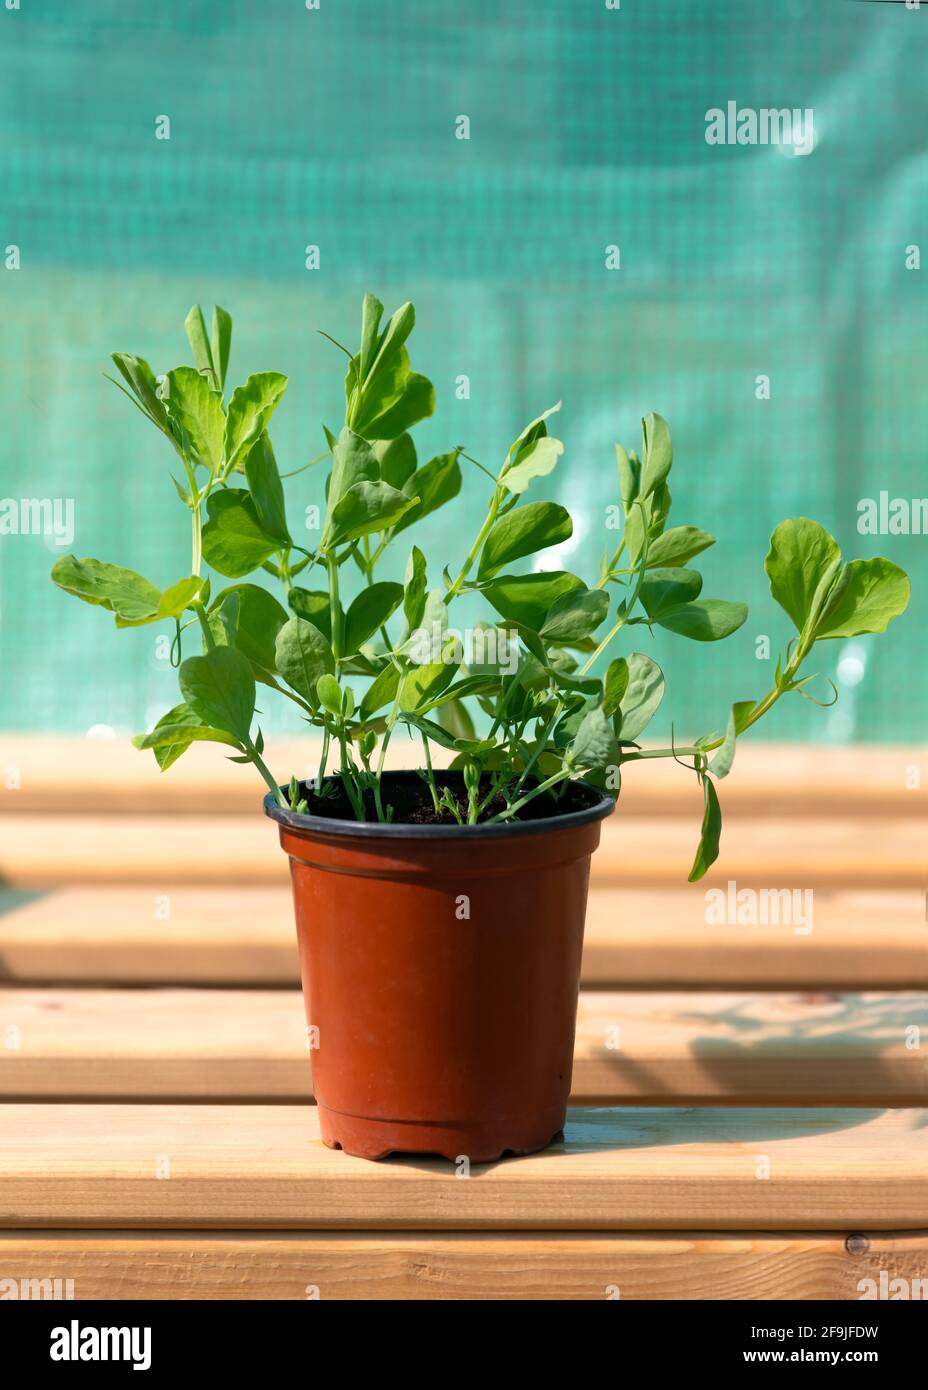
546 717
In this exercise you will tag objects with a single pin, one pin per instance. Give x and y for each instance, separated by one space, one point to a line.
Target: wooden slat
171 934
69 775
644 1049
841 852
460 1265
241 1166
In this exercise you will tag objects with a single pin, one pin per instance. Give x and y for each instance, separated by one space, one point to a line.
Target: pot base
481 1142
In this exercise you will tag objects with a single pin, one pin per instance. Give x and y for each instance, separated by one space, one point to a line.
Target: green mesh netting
336 127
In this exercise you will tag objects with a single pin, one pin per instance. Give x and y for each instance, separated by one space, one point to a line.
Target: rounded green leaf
643 693
524 531
668 588
801 555
252 619
367 507
329 694
575 615
436 483
234 541
677 546
381 691
303 655
594 744
706 620
220 689
120 591
872 593
369 611
527 598
197 409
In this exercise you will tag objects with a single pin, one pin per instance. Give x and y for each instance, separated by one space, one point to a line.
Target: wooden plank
460 1265
642 1049
260 1166
175 934
53 773
843 852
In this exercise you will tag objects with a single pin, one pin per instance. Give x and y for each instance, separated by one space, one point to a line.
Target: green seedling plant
543 697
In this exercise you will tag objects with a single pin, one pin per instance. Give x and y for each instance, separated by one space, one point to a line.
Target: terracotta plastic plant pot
440 967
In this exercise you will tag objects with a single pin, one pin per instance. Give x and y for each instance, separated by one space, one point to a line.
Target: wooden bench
750 1101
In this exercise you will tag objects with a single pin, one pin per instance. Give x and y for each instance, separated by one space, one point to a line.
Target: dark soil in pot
411 800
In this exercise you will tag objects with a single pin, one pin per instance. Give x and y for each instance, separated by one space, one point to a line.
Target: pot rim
600 807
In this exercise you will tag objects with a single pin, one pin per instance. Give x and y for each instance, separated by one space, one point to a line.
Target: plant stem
476 547
516 806
431 776
266 773
208 637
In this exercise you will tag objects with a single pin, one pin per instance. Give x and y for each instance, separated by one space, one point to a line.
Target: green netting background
336 127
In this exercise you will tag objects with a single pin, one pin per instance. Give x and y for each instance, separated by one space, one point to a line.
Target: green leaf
872 593
594 744
171 603
220 344
575 615
428 636
802 555
367 507
708 850
220 689
663 589
523 532
250 409
383 388
254 618
197 410
140 379
353 461
416 403
120 591
615 685
369 611
434 484
382 691
658 454
371 314
629 476
396 459
643 694
313 605
195 326
528 597
706 620
390 344
266 489
454 716
169 736
234 541
302 656
722 762
536 429
534 460
175 732
416 585
329 694
677 546
421 684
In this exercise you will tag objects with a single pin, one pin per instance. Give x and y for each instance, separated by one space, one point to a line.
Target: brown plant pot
440 968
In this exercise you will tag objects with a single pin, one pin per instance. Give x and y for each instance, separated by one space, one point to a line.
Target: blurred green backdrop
336 127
